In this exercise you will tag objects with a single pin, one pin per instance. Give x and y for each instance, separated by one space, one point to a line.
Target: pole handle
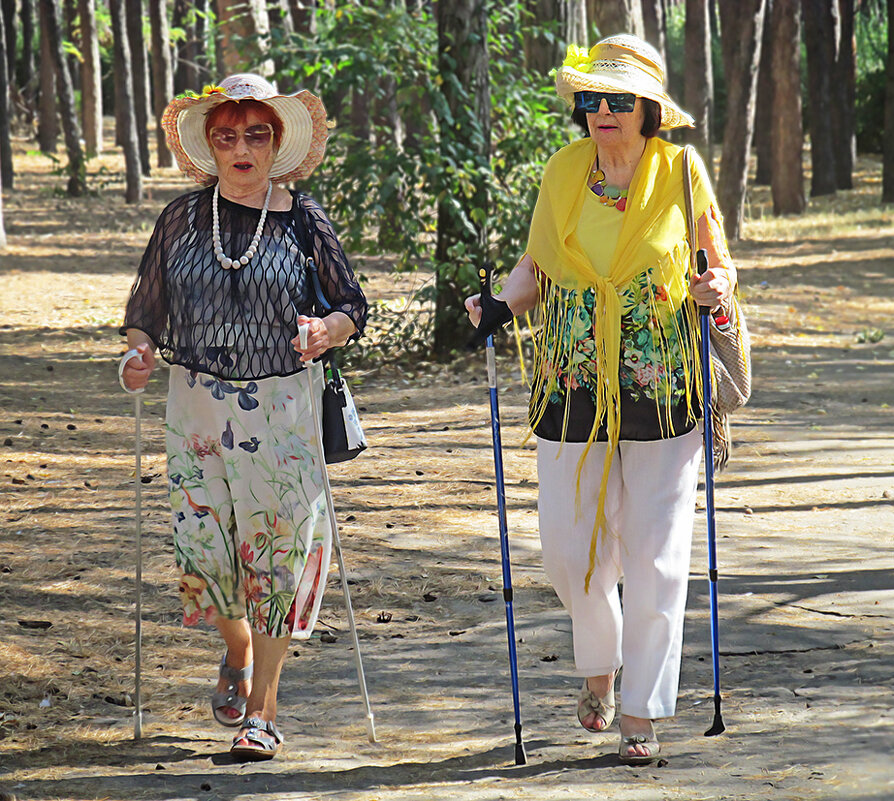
485 278
701 261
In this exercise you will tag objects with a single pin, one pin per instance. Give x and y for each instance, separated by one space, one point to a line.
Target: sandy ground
805 515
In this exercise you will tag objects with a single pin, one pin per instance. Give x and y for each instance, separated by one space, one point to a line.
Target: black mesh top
236 324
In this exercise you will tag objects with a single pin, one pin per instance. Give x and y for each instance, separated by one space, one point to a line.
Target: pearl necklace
226 262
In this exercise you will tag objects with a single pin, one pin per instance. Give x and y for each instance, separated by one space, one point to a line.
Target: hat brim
300 151
570 80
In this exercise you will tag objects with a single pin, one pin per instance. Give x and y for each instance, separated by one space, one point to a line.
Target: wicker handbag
730 346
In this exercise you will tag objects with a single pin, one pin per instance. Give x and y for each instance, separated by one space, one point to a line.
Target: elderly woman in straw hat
615 403
220 293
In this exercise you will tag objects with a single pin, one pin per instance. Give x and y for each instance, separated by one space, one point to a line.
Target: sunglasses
590 102
255 136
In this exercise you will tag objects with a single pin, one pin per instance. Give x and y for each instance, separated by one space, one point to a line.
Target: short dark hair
651 118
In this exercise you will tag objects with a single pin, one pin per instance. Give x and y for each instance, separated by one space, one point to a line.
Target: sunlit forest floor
805 515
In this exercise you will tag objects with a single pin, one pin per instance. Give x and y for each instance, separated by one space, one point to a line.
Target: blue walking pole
717 727
484 275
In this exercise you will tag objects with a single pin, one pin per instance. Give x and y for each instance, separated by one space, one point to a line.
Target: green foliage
384 191
872 46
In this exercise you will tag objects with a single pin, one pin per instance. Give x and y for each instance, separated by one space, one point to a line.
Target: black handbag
343 436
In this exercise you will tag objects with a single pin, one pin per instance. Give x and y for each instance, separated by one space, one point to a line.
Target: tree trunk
616 16
763 115
77 171
9 25
742 24
545 53
133 12
465 140
6 166
2 228
888 148
845 82
655 26
26 62
133 192
304 18
91 78
819 36
201 43
248 19
698 84
48 124
787 134
185 70
162 75
360 126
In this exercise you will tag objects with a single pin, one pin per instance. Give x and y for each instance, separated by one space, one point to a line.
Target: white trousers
650 509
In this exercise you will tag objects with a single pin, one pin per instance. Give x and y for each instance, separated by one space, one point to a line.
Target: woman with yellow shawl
615 403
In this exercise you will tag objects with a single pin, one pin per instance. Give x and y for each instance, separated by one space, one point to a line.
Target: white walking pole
138 484
336 541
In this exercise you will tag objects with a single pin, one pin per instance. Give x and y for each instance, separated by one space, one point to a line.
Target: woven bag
730 348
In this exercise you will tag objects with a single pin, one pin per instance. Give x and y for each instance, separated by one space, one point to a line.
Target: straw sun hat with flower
303 117
620 64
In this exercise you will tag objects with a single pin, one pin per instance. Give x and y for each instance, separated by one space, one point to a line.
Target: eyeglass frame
617 102
242 135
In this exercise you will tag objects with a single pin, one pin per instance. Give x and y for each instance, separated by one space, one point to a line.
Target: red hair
235 113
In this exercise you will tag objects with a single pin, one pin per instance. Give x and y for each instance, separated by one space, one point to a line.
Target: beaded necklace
608 195
225 261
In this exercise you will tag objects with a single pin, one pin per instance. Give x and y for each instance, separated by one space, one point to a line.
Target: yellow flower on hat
210 89
578 58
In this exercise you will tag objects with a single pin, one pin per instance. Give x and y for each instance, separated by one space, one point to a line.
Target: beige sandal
649 742
588 703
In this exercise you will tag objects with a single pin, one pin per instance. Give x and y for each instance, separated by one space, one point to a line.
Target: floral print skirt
252 536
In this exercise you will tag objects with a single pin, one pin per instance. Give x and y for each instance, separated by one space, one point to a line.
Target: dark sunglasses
256 136
589 102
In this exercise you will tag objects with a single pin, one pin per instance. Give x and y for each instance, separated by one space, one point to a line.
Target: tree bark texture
819 36
888 149
9 26
133 192
71 129
787 132
845 82
243 27
48 124
655 26
2 228
465 140
26 60
304 18
133 12
6 166
91 78
544 53
763 114
698 82
200 43
162 75
742 23
616 16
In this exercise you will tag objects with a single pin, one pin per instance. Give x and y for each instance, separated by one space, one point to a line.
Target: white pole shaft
138 482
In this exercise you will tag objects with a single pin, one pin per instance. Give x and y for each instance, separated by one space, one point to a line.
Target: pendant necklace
608 195
225 261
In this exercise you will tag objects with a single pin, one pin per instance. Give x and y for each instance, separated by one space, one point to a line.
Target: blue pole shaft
504 534
709 496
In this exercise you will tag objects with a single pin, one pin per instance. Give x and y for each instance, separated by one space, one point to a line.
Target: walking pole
717 727
138 486
336 541
484 275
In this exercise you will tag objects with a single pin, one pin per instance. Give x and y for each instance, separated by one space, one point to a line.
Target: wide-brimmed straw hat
622 63
303 116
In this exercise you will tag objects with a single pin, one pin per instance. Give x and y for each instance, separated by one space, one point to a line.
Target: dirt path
805 515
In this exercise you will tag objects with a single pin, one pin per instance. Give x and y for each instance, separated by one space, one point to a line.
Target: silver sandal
588 703
649 742
261 740
230 699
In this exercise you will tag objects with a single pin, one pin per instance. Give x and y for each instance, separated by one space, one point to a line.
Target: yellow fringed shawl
652 237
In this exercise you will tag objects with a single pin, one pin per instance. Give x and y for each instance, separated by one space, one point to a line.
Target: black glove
494 315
